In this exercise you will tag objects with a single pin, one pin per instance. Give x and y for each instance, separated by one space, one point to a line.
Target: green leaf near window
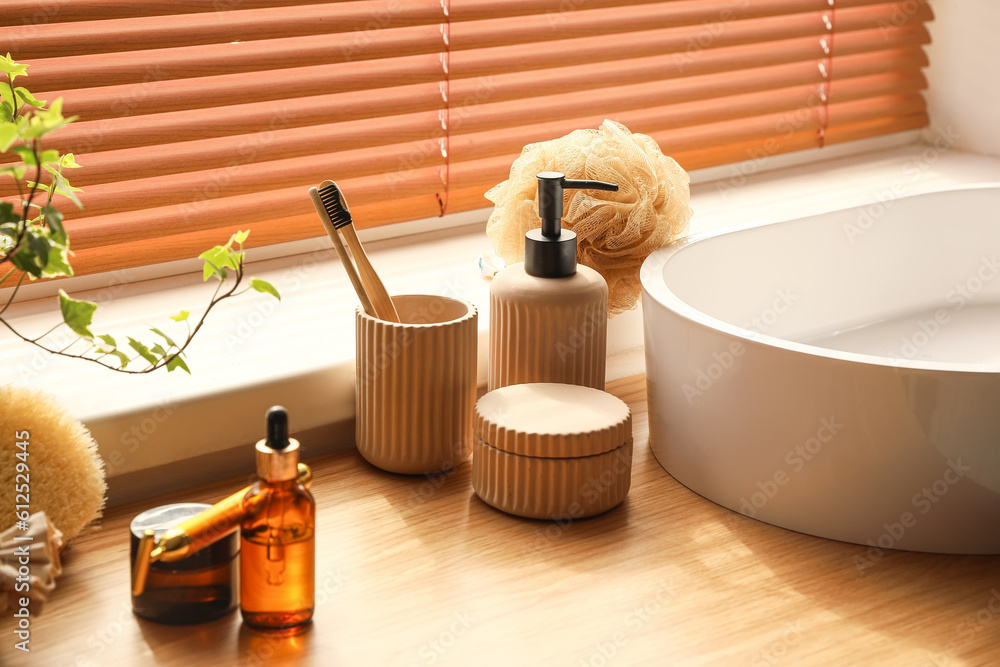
265 287
177 362
53 219
32 256
181 316
7 213
58 264
168 339
77 314
68 161
11 68
142 350
8 135
122 358
28 98
217 260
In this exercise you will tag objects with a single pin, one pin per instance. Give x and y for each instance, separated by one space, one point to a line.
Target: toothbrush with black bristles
335 215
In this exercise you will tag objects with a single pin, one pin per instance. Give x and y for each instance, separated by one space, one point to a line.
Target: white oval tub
837 375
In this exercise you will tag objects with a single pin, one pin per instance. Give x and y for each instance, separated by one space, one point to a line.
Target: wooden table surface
418 571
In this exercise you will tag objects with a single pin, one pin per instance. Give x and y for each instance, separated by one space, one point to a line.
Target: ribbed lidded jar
552 451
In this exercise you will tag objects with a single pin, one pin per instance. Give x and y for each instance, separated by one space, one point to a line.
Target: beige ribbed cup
416 384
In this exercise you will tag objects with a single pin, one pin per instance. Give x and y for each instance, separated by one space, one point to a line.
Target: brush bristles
336 207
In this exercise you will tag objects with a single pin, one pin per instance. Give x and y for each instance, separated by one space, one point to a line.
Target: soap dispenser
278 546
549 316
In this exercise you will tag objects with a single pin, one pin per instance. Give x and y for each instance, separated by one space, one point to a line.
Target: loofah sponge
66 472
616 231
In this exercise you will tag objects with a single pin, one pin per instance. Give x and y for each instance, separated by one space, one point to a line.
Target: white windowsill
255 352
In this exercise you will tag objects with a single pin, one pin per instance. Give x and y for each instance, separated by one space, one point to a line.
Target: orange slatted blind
198 117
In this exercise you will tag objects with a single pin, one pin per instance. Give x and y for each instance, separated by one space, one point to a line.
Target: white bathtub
837 375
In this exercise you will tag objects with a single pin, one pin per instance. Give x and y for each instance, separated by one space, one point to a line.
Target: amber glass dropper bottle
278 550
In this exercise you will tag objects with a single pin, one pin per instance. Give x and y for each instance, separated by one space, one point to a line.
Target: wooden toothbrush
335 215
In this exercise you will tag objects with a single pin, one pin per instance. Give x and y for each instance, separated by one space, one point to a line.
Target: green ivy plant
35 244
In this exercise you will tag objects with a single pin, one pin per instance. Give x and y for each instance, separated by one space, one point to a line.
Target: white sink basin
837 375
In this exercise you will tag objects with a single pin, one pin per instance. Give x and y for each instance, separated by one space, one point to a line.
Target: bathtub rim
654 287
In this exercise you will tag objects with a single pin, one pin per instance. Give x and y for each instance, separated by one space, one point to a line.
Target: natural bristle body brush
336 216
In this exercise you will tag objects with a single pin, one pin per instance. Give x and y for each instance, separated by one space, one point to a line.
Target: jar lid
552 420
160 519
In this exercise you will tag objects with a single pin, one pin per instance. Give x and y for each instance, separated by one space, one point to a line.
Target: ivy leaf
170 341
107 344
11 68
26 154
28 98
217 259
177 362
239 237
7 212
53 220
142 350
33 254
181 316
58 264
49 155
122 357
16 171
265 287
8 135
158 350
210 270
77 314
63 187
68 161
7 108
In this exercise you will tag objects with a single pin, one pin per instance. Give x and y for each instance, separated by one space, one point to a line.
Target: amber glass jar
199 588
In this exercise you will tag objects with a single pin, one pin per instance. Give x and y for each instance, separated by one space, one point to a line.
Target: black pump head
550 252
277 428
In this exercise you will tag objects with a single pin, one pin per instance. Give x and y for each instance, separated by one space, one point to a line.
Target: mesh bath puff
616 231
66 474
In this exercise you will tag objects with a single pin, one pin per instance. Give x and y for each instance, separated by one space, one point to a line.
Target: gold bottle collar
277 465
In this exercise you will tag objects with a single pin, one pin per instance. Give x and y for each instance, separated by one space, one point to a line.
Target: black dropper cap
277 428
550 252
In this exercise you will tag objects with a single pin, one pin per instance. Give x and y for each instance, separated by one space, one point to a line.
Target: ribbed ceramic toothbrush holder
416 384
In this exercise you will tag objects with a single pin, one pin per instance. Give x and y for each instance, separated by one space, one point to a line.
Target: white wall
964 76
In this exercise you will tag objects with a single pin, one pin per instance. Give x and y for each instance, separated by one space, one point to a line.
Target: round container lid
162 518
552 420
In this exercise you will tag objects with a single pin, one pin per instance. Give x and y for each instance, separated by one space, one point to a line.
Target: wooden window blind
198 117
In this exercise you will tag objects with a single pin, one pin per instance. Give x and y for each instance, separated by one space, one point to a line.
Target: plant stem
218 296
14 293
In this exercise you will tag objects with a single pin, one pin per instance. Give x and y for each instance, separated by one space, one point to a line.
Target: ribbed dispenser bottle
278 545
549 316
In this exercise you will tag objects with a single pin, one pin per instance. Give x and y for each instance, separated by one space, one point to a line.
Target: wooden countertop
418 571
